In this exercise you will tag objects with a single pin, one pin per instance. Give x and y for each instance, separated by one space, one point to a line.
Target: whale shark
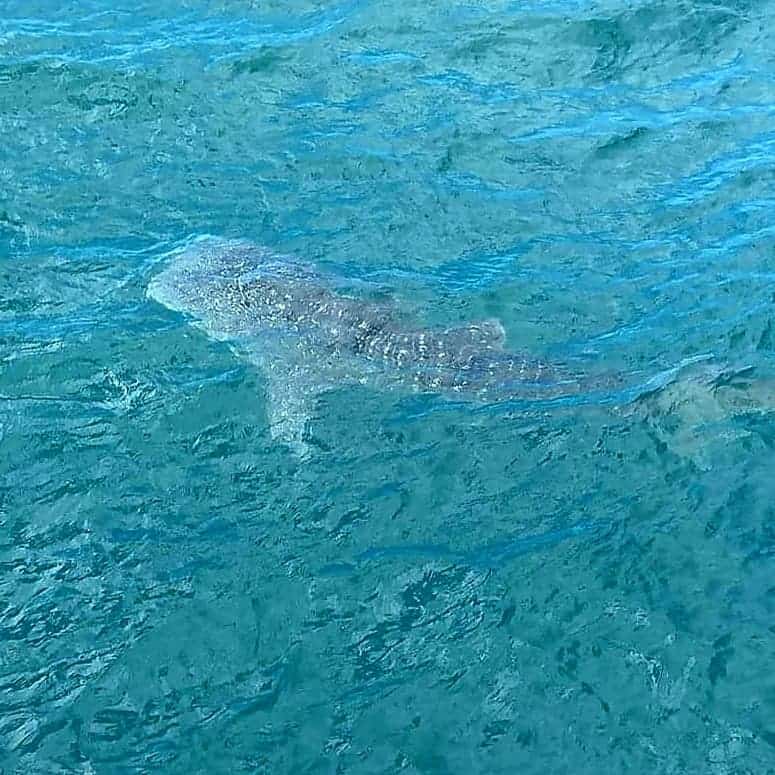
310 332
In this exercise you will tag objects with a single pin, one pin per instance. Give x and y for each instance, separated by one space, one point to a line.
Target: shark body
308 335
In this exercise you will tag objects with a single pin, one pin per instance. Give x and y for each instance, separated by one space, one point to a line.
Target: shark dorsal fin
488 333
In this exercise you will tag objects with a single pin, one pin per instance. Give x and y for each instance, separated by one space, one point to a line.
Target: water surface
440 587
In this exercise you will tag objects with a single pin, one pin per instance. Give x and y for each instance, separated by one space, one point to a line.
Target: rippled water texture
439 587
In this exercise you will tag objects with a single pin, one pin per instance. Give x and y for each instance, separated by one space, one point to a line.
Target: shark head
195 276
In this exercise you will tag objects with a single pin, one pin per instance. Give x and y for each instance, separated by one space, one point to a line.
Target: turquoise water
439 587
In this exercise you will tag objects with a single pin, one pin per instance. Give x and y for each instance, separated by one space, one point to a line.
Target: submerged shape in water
308 335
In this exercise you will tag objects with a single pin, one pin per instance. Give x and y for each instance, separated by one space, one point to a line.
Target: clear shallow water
439 588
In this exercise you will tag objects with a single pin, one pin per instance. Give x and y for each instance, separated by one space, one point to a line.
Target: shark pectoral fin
290 387
295 373
487 334
290 403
